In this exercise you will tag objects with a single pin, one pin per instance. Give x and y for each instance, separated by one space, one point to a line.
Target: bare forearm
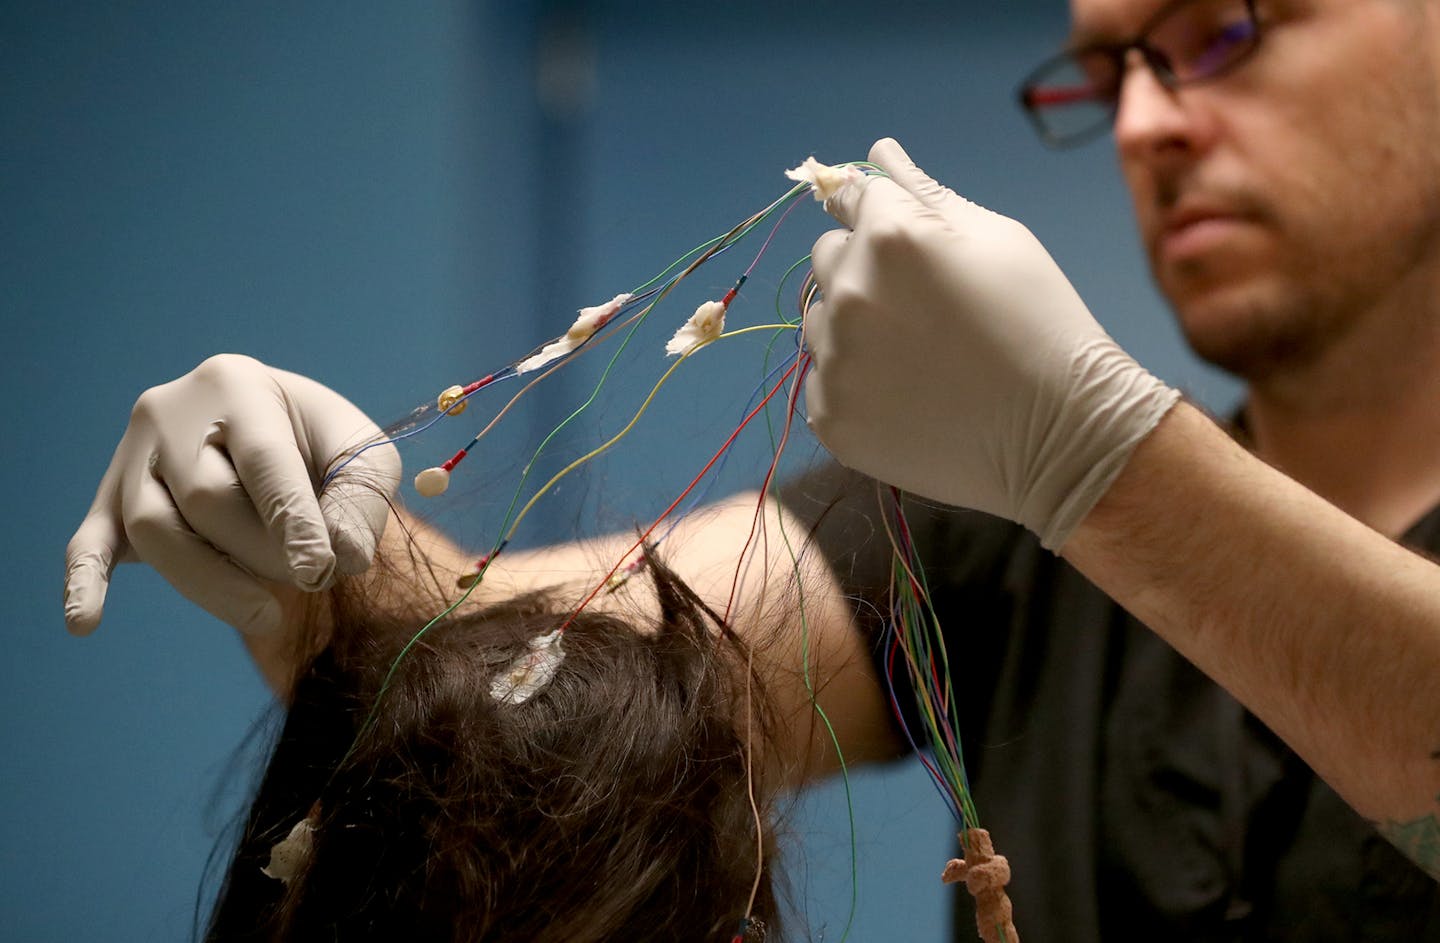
1328 631
783 601
788 608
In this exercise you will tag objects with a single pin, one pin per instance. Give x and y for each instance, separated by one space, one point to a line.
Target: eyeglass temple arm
1059 95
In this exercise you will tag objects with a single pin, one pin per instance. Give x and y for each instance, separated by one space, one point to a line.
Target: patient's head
612 805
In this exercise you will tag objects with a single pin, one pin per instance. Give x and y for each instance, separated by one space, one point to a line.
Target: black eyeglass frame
1155 60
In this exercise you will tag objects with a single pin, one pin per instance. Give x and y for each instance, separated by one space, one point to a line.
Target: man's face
1279 202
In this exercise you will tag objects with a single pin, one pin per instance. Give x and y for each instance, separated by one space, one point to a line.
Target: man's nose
1152 119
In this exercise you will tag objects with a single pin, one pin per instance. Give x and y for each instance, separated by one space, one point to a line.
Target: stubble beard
1258 330
1298 322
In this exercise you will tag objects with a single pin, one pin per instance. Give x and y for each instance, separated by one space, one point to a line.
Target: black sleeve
965 554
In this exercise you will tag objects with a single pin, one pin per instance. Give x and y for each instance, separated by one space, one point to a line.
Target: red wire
890 667
673 504
907 549
804 364
479 384
1060 95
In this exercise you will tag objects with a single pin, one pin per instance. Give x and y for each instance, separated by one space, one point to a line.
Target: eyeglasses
1073 96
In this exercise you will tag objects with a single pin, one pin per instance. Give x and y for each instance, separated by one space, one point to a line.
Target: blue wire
935 780
917 567
439 414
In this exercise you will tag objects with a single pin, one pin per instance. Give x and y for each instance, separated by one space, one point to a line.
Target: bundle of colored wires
915 639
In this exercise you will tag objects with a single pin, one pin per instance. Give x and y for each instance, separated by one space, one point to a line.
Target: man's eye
1224 42
1101 75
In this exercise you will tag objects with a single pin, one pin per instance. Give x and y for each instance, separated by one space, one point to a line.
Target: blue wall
383 196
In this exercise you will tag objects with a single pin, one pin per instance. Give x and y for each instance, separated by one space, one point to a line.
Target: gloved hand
214 485
953 359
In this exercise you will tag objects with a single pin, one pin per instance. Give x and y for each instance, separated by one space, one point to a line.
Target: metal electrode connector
452 401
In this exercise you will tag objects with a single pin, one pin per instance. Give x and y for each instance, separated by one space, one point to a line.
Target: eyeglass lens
1074 94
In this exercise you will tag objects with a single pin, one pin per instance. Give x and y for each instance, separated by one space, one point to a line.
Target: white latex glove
214 485
953 358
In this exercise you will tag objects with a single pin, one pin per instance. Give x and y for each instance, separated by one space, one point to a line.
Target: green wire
644 406
921 630
395 665
728 239
805 648
780 290
829 728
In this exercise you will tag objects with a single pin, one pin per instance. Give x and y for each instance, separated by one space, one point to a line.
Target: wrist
1112 406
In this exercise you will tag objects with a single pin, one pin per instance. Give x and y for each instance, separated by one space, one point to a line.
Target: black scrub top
1134 798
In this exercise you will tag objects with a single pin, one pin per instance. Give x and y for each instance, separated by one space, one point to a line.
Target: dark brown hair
613 805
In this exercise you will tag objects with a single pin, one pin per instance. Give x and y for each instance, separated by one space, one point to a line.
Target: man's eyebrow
1112 33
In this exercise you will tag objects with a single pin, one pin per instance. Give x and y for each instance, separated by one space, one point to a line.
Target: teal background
391 198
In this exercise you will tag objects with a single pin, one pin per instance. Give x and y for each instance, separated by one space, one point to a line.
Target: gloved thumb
890 157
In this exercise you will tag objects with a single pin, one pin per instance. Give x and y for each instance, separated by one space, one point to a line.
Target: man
1132 794
1287 182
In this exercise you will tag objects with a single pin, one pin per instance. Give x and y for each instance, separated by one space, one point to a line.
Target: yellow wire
602 448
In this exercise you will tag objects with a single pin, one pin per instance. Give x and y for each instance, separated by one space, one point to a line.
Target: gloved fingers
90 559
817 412
261 441
844 204
872 201
890 157
825 255
816 330
215 506
819 409
199 572
356 505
